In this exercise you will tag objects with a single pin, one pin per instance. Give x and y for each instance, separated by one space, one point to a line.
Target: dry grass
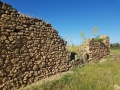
73 48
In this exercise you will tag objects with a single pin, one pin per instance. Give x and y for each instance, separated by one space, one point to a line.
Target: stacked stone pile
95 50
30 49
106 40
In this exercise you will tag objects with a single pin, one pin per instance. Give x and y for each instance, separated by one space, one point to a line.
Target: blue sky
70 17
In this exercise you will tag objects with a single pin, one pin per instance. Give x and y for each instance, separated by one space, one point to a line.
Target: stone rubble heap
92 51
95 50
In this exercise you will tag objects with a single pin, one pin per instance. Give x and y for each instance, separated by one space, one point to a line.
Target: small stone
43 64
4 7
13 61
5 33
35 67
10 38
12 9
29 38
1 61
7 12
27 58
8 42
4 16
2 73
17 51
12 19
4 52
19 27
1 81
5 79
3 37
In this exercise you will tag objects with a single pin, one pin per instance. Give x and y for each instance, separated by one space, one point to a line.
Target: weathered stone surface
1 62
94 50
1 81
10 38
36 67
3 37
19 27
27 48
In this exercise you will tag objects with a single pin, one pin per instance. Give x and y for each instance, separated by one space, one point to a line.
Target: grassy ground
115 51
73 48
100 76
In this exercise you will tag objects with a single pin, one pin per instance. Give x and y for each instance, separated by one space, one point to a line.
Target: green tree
82 36
95 31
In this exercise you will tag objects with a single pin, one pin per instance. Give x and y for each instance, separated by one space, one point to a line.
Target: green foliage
95 31
99 39
115 46
82 36
69 40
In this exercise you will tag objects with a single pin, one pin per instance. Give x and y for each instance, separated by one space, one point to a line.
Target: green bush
99 39
115 46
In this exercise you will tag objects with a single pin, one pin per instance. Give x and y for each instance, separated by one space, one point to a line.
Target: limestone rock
19 27
35 67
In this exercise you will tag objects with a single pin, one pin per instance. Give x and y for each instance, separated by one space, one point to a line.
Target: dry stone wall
30 49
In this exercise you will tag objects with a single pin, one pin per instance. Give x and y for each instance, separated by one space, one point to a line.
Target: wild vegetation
115 46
